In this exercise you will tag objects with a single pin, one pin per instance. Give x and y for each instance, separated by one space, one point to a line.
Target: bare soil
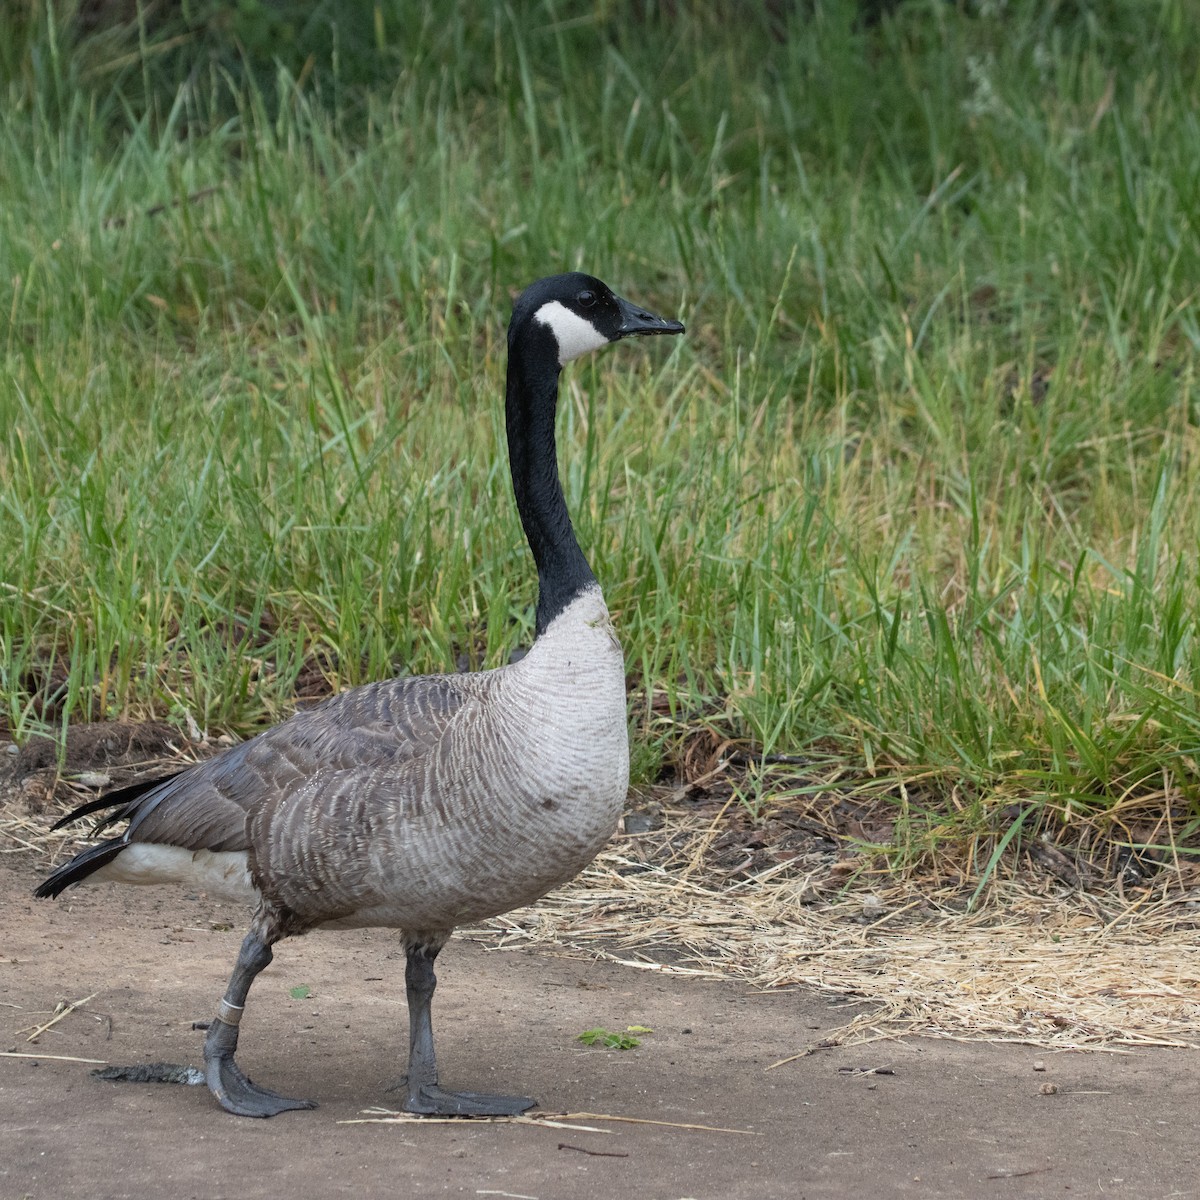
951 1119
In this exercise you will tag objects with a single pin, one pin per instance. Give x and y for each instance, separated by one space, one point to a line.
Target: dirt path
953 1120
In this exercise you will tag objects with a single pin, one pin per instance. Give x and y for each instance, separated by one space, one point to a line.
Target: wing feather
371 729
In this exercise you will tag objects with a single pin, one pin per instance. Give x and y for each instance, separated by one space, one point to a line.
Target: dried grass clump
1041 964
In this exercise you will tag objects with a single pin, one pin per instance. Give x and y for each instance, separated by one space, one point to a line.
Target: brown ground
954 1119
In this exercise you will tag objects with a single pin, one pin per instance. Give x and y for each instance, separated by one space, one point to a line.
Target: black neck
530 406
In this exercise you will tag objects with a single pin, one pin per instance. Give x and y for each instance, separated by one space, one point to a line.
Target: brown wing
367 728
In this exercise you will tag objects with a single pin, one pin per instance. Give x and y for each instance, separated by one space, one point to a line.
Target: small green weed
614 1041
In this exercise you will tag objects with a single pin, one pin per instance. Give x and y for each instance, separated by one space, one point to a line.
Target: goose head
579 313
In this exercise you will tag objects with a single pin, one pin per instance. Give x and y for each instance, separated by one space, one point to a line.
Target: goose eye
585 299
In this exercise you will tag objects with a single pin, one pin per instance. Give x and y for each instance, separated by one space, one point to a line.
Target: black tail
122 796
80 867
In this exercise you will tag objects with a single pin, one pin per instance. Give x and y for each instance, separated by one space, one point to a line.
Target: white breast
530 804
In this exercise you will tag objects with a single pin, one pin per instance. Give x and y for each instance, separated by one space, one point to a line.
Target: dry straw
1041 964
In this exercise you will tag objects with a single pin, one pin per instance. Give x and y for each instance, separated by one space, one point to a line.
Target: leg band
231 1014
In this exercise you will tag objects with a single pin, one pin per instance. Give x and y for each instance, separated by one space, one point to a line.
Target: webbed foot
234 1092
431 1100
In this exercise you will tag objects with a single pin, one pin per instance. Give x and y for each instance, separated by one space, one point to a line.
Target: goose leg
224 1077
424 1095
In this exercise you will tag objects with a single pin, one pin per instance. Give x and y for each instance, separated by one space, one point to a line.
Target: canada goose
424 802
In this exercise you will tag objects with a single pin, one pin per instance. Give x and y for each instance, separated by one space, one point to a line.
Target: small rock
93 779
1048 1089
1039 1065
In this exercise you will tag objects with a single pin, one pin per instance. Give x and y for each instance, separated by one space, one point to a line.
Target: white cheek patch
575 336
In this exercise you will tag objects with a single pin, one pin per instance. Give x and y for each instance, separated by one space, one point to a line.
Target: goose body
492 789
423 802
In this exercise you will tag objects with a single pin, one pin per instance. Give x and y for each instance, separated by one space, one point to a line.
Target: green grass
918 496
